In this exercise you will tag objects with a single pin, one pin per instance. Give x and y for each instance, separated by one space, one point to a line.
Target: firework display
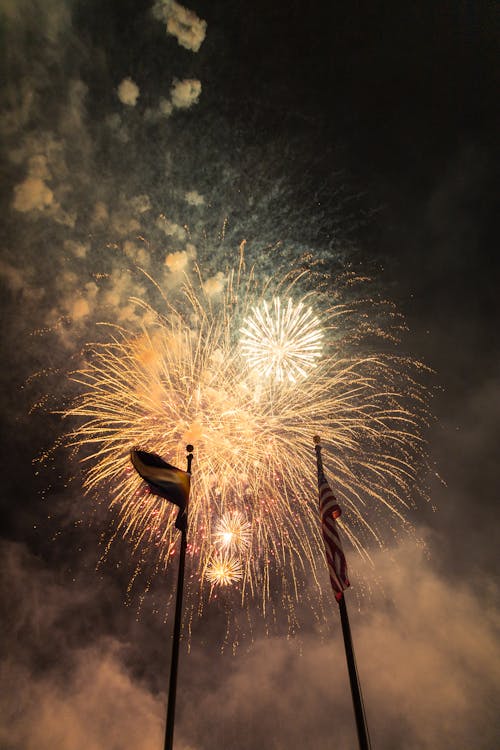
187 377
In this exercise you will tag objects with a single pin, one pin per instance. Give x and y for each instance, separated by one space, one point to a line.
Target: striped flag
164 480
329 510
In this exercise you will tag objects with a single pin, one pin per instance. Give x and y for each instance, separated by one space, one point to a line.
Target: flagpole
357 698
172 688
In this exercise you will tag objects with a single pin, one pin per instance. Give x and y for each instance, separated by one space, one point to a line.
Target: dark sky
361 133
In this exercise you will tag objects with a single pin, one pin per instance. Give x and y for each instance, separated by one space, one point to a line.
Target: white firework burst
281 341
233 531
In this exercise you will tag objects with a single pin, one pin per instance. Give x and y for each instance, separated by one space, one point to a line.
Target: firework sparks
223 569
186 378
281 341
233 532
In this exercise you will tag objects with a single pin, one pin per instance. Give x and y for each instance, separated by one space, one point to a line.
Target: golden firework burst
223 569
186 377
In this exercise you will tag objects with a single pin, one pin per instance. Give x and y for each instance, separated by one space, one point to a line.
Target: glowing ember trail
194 374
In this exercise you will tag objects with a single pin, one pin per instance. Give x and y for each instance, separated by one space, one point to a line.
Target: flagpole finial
317 440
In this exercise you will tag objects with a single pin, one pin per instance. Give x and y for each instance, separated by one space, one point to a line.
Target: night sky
361 134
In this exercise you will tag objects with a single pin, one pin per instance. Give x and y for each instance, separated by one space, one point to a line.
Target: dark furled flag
329 510
164 480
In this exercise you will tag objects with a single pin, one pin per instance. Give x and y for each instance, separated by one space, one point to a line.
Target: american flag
329 510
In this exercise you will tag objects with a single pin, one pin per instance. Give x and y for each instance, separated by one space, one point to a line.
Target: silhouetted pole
172 688
357 698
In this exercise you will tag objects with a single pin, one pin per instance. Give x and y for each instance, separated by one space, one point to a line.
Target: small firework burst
223 569
233 531
282 341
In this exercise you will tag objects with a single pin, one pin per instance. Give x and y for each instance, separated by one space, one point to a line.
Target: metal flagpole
357 698
172 688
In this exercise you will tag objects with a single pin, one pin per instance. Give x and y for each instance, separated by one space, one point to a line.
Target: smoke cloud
427 653
194 198
185 93
183 24
128 92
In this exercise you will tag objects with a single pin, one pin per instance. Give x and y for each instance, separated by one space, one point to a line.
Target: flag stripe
336 561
